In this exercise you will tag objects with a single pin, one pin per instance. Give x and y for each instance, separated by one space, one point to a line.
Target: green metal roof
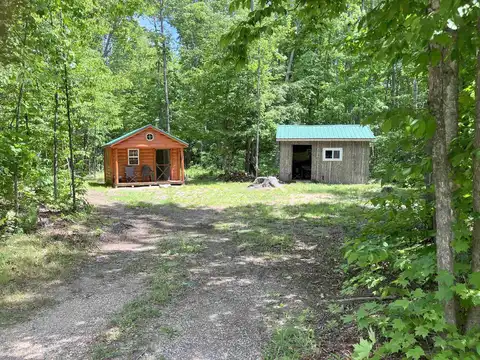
124 136
354 132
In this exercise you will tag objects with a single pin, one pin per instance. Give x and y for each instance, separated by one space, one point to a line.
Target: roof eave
149 126
324 139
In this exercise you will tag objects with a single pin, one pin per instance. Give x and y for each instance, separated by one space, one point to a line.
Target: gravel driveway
228 311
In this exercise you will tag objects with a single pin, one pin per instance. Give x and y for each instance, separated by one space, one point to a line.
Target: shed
145 156
333 154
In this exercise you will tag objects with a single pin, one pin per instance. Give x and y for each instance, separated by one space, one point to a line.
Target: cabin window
332 154
149 136
133 156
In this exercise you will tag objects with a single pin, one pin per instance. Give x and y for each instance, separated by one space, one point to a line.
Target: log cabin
332 154
145 156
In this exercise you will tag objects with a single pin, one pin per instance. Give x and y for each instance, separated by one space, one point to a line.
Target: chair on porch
130 174
147 172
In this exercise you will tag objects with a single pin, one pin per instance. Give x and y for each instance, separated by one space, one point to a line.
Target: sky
172 33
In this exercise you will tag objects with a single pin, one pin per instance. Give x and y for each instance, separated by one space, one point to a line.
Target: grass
30 262
293 341
226 195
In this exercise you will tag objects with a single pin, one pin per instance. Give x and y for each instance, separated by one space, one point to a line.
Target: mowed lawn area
254 268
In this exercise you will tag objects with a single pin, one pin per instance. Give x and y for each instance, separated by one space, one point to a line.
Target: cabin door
162 168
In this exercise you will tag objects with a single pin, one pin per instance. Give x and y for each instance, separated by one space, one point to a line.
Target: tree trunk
450 109
108 41
289 66
415 94
165 77
70 138
15 169
473 319
441 173
257 147
55 149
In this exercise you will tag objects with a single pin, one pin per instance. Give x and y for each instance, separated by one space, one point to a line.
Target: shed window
149 136
133 156
332 154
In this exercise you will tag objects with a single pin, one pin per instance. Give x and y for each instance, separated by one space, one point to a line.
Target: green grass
294 340
238 194
28 262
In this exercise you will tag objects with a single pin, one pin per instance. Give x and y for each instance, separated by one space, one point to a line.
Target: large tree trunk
437 97
473 319
450 109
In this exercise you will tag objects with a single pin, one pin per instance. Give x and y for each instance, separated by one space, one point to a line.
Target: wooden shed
145 156
333 154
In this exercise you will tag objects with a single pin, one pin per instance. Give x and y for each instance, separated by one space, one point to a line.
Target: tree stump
265 182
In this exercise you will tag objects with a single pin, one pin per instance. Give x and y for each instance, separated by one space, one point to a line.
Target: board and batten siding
285 161
353 169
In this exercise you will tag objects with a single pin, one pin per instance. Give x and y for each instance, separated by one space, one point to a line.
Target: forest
221 75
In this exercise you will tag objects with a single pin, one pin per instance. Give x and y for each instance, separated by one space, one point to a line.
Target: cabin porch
149 183
143 166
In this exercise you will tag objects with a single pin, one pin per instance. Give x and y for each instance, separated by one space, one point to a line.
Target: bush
394 256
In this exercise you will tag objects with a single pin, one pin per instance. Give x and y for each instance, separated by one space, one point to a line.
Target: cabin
145 156
332 154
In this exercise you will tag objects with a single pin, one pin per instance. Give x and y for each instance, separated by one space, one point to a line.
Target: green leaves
474 279
401 303
415 353
363 349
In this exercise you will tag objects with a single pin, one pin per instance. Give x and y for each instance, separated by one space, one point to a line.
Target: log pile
236 176
265 182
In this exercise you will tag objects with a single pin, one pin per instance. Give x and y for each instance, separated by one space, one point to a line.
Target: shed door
302 162
163 165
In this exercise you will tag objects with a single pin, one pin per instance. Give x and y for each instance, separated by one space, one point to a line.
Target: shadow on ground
260 263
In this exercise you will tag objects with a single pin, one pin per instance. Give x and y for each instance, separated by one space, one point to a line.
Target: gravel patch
65 330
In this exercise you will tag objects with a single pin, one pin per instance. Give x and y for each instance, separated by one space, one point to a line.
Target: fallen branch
361 298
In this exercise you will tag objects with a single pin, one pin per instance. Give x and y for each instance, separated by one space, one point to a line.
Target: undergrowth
293 341
393 255
28 262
